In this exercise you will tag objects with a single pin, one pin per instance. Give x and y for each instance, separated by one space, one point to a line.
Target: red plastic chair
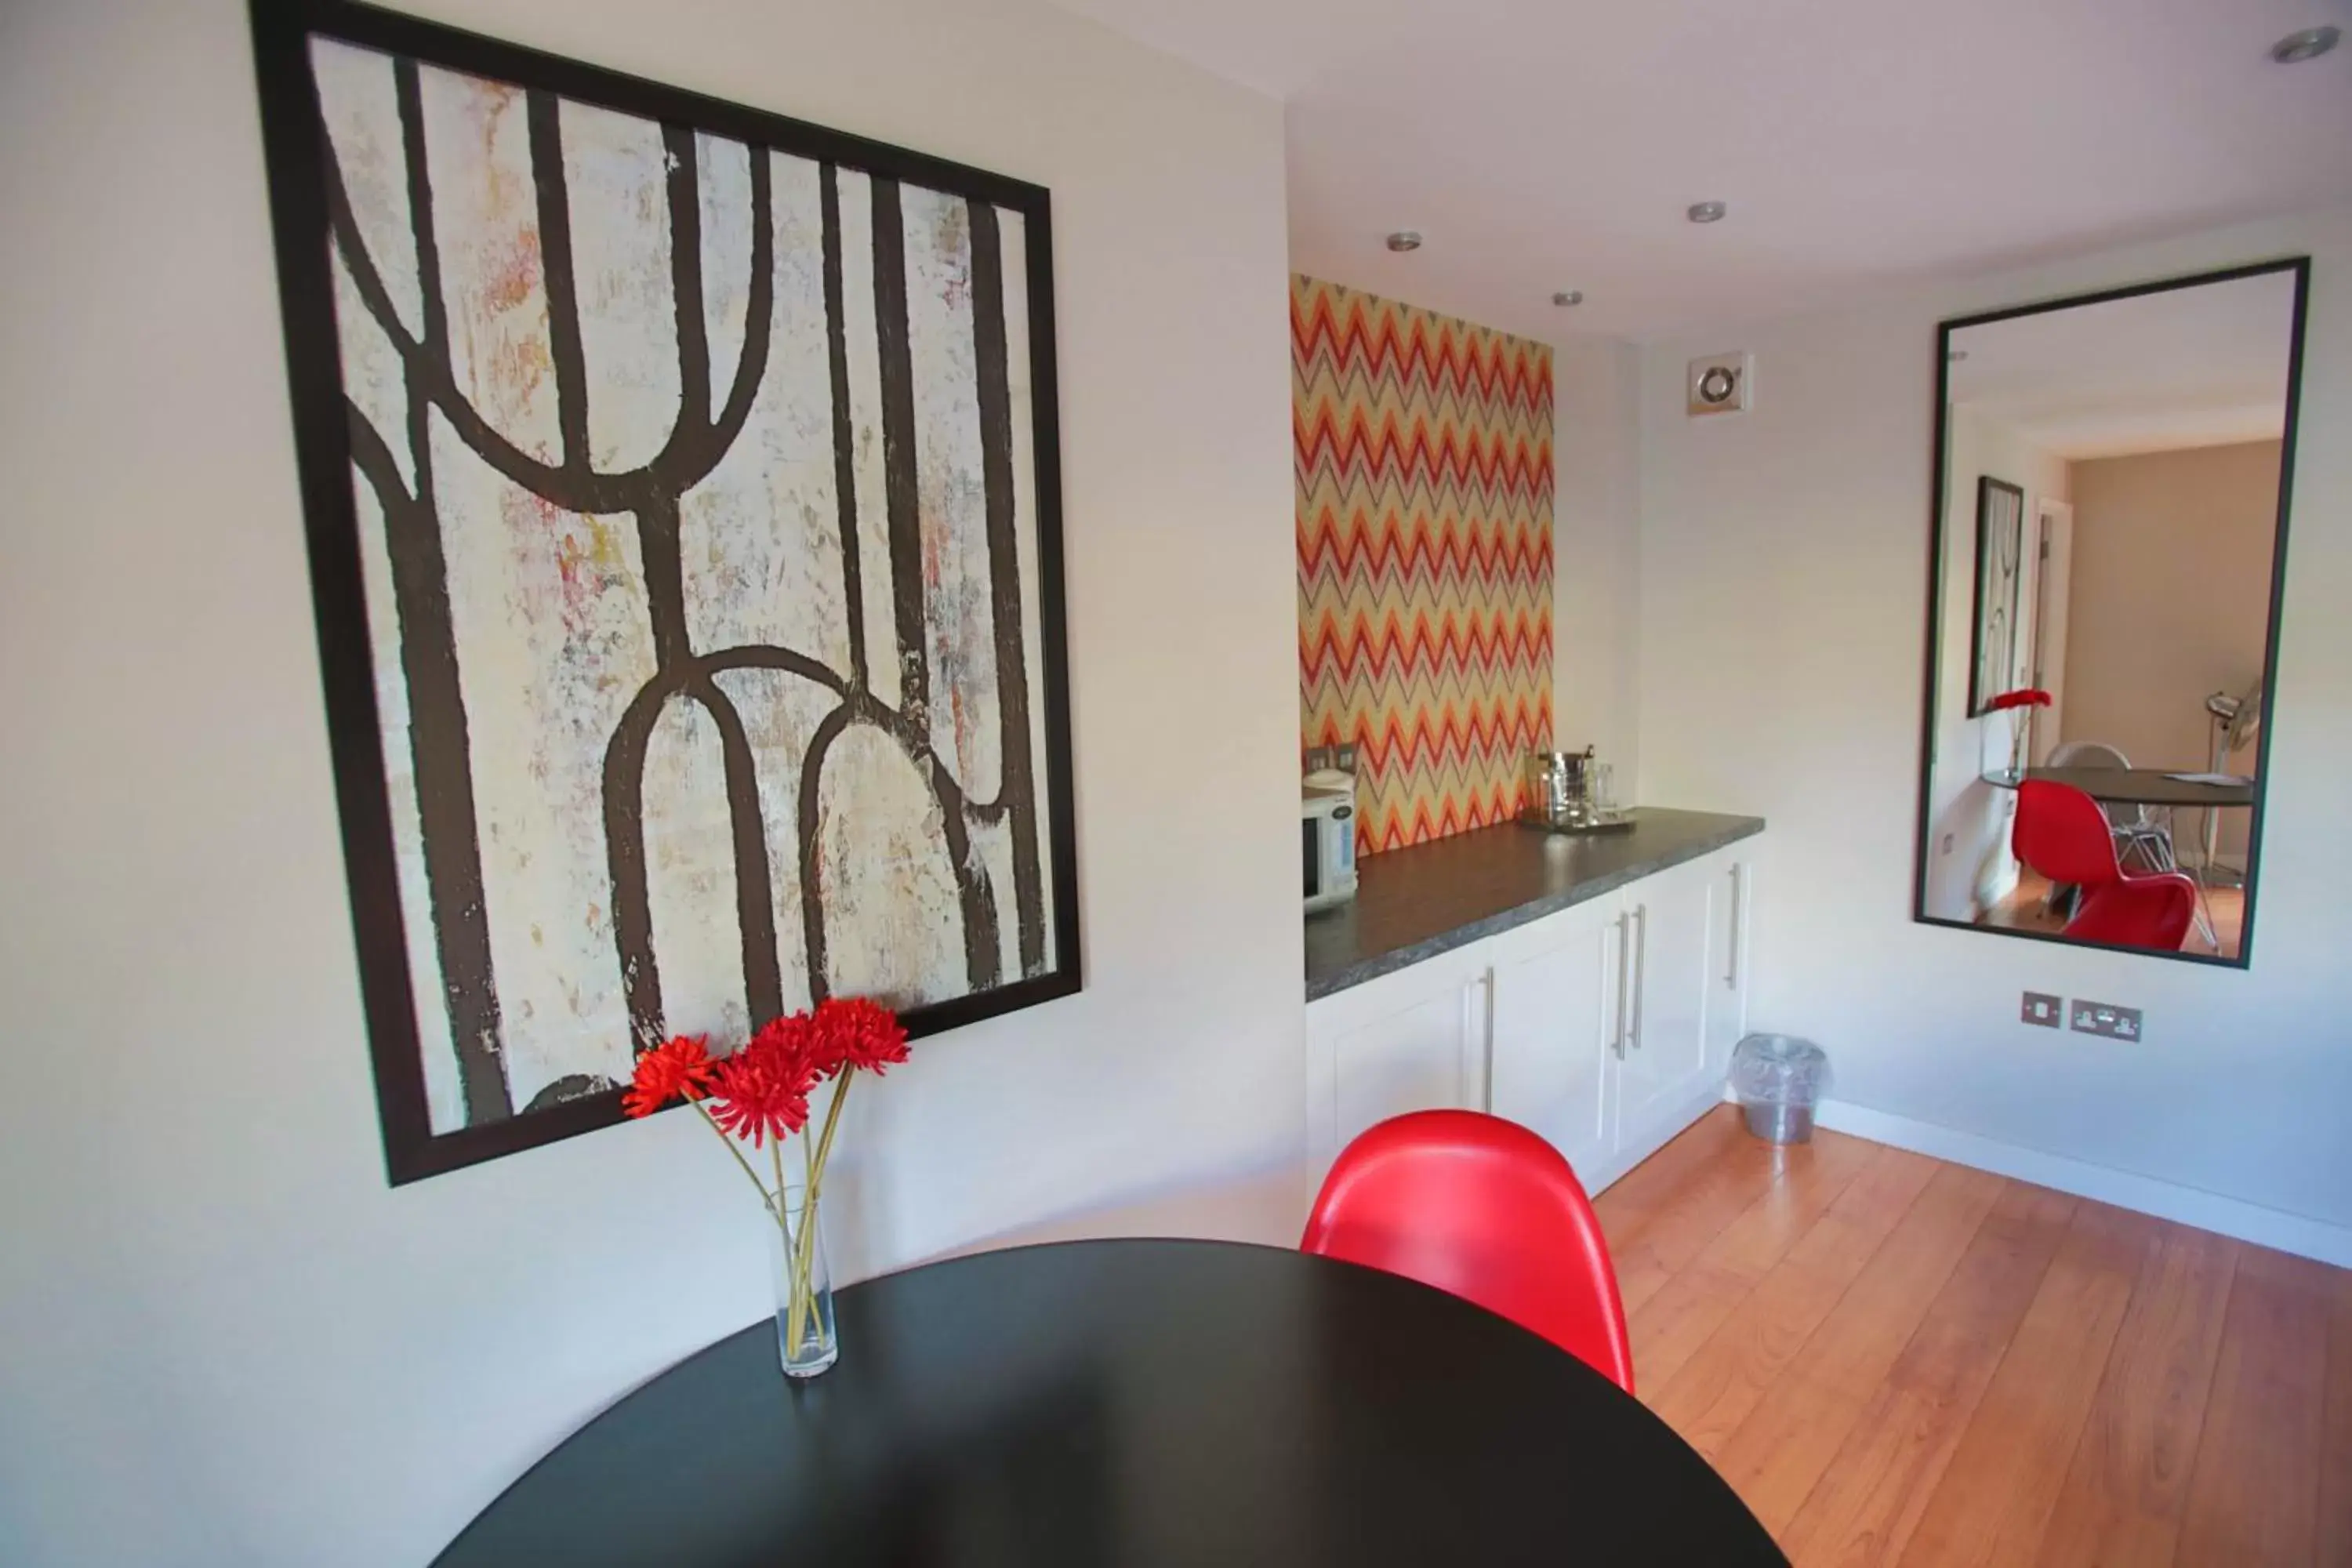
2061 833
1486 1210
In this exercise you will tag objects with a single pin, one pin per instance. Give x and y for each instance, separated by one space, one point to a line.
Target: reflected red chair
2061 833
1486 1210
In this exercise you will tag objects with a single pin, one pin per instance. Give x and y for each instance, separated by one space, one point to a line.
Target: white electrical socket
2107 1020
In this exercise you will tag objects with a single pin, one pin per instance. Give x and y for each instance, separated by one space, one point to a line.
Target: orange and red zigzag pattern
1420 351
1423 452
1354 652
1334 553
1417 455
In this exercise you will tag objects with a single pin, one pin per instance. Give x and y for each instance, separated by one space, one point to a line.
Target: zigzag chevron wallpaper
1424 448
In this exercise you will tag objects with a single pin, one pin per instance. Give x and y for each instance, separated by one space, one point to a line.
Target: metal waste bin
1778 1080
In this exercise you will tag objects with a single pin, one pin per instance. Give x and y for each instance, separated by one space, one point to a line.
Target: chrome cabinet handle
1625 959
1641 970
1483 990
1731 970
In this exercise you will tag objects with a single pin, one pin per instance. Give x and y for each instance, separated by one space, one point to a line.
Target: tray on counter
1615 822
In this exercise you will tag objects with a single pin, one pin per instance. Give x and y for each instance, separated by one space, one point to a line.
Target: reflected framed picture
680 485
2000 550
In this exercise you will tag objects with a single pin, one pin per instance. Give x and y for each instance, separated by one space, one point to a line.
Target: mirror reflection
2109 542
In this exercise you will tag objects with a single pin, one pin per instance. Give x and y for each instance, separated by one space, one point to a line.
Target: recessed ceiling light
1568 297
1406 239
2307 45
1706 211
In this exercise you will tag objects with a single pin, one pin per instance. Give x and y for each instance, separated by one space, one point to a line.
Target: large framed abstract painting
2000 556
680 485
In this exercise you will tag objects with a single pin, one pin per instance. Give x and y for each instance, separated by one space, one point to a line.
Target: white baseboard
2298 1234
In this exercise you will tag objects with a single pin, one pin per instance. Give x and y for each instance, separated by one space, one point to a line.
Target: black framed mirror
2108 537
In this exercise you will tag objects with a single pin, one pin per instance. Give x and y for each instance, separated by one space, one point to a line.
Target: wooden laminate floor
1901 1362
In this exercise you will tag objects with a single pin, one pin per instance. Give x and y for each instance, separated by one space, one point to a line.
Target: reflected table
2135 787
1131 1403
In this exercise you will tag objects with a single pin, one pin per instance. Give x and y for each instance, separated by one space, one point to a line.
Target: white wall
223 1340
2179 541
1970 866
1596 548
1783 574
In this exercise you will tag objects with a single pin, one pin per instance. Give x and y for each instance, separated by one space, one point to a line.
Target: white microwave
1327 846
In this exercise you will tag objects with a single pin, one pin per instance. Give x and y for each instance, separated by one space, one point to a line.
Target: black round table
1137 1402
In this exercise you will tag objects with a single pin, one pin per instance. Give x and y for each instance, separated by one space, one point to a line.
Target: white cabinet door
1411 1041
1554 1019
1605 1027
1726 1008
1671 919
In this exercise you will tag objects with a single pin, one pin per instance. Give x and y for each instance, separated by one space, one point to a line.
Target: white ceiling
2187 367
1544 144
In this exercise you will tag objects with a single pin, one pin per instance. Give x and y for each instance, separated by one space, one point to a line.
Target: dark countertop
1412 904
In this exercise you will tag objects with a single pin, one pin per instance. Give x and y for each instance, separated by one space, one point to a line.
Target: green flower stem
796 1256
773 1206
803 1251
832 1120
795 1292
795 1299
800 1251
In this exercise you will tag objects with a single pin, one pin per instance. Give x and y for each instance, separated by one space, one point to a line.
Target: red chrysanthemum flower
852 1032
762 1091
682 1066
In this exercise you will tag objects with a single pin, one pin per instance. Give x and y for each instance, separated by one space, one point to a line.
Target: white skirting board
2298 1234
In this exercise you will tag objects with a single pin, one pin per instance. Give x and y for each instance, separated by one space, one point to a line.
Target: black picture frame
1994 630
2299 268
293 134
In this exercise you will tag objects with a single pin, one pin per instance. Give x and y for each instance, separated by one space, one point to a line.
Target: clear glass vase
806 1339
